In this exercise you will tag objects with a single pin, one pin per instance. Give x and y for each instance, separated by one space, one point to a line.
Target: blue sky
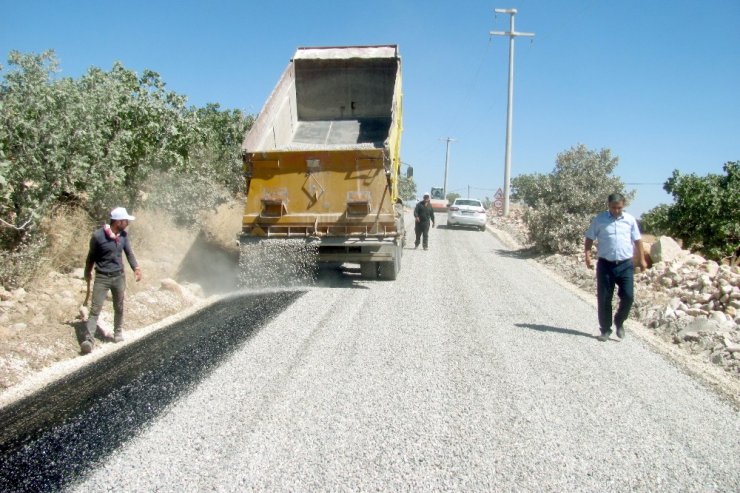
654 81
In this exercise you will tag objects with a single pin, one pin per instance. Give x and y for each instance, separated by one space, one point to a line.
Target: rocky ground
692 304
40 322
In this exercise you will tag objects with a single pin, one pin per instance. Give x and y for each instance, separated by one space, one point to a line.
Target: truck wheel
369 270
389 270
482 228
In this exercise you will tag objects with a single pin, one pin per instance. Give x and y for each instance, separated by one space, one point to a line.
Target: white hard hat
119 213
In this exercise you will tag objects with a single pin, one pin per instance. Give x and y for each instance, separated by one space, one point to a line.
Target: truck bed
368 132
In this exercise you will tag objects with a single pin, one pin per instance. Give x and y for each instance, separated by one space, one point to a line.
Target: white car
467 212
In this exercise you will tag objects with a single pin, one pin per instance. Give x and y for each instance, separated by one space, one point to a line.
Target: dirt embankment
40 323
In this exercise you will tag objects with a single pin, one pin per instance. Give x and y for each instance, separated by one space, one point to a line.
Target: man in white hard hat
107 246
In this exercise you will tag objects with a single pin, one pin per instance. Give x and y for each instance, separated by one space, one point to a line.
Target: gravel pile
689 301
473 371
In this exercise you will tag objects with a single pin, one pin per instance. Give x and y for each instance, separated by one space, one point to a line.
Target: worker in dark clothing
107 246
423 215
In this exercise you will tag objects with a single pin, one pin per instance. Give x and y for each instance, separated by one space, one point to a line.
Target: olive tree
562 203
705 213
407 188
93 140
215 170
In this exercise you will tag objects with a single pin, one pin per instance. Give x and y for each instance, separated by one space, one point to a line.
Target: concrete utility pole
447 159
511 33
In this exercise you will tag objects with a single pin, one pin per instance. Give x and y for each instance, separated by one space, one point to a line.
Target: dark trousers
422 231
117 286
608 275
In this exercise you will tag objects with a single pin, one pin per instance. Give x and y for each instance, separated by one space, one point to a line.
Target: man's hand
589 265
417 219
588 244
137 274
433 224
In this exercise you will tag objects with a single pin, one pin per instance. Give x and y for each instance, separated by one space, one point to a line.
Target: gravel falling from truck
277 263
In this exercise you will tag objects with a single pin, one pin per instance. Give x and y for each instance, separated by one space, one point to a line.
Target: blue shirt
615 236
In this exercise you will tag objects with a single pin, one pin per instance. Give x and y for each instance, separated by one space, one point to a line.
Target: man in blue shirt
616 234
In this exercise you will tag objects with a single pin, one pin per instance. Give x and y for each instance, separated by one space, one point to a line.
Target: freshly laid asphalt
472 371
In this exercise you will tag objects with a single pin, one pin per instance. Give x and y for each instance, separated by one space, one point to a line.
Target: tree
107 138
407 188
452 196
94 140
705 213
214 173
563 202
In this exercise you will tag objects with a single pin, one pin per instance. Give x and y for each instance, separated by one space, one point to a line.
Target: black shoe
426 248
604 336
416 246
118 337
86 347
620 332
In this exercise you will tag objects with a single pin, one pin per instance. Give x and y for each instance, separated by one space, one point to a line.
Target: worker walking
107 246
616 234
423 216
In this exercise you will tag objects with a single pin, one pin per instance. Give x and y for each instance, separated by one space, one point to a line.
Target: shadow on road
522 253
559 330
343 276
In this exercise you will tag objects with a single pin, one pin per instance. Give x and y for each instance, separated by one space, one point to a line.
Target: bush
105 139
656 222
562 204
705 214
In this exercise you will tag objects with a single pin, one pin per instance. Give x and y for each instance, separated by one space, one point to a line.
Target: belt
614 262
108 274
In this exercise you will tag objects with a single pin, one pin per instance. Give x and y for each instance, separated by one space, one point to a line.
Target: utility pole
511 33
447 159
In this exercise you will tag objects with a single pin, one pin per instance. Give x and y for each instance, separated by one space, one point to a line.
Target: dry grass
67 232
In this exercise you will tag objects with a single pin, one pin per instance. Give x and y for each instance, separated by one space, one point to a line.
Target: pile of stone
688 300
695 302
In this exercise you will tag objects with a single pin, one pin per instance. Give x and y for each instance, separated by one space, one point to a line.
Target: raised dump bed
322 163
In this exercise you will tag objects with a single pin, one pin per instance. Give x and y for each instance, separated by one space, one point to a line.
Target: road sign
499 194
498 203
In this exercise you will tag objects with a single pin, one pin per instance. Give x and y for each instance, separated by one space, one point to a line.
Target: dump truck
322 167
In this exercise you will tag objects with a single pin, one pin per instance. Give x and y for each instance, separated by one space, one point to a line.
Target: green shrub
562 204
705 214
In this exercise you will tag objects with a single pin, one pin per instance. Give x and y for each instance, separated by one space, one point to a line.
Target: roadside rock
665 249
690 301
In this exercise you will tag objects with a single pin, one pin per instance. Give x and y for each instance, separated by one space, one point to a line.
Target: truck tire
369 270
388 271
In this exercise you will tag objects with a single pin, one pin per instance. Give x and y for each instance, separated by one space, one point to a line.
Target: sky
654 81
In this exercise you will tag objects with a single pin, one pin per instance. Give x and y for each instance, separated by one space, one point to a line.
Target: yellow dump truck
322 166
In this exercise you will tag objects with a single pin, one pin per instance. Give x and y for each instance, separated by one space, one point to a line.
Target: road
474 371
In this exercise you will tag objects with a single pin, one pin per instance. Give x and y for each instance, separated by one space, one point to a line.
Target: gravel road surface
474 371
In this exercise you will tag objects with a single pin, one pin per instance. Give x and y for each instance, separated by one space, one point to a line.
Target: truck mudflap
294 261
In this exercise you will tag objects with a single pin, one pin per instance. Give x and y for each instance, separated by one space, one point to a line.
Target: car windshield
474 203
